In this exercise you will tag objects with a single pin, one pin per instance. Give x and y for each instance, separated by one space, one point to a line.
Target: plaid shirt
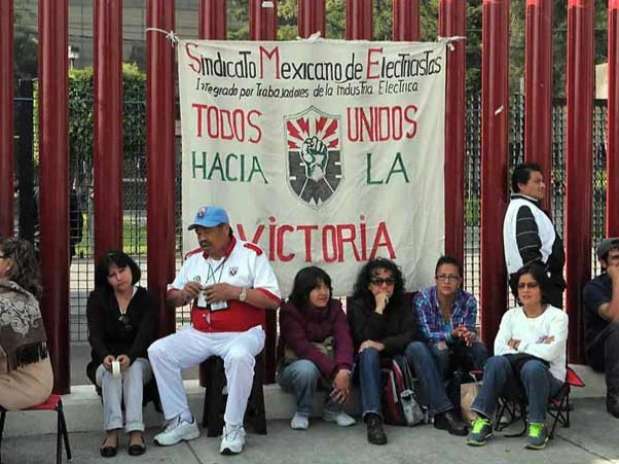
430 320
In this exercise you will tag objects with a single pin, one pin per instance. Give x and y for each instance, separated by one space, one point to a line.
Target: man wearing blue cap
229 284
601 300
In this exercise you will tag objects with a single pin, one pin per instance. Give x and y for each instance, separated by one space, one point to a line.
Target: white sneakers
339 417
299 422
176 431
233 439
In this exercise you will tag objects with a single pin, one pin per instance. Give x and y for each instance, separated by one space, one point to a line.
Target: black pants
603 355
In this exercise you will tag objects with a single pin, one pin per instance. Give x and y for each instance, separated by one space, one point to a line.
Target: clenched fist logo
315 155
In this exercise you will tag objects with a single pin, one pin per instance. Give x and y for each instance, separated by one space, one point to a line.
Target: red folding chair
53 403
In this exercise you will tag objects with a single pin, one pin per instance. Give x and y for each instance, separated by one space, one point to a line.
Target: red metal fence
311 18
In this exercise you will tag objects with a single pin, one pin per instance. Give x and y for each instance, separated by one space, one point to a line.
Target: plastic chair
53 403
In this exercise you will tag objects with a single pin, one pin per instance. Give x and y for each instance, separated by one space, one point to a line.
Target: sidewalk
592 438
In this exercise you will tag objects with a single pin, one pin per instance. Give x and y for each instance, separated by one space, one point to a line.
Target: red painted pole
495 106
108 129
6 118
612 155
54 184
538 89
452 22
580 88
263 26
212 19
405 20
161 152
263 20
359 16
311 14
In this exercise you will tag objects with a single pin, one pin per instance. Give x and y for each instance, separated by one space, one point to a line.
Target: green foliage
81 116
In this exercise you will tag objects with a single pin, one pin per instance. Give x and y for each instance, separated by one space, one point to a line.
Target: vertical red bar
538 89
580 85
108 129
452 22
612 155
495 107
405 20
54 184
6 118
212 20
263 19
311 16
161 152
359 16
263 26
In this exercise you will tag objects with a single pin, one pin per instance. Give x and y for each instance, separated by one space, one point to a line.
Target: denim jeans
500 380
427 372
302 377
370 381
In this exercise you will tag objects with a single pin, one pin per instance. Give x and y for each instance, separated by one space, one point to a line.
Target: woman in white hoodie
529 358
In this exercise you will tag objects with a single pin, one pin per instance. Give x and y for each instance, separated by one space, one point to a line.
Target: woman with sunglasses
121 326
26 377
383 324
529 359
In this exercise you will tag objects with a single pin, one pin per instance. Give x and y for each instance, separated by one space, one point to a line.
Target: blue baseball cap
210 216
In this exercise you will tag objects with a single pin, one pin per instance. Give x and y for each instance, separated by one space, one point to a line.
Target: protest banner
323 152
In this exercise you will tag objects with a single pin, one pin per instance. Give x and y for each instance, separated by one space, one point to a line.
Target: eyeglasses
447 277
378 281
528 285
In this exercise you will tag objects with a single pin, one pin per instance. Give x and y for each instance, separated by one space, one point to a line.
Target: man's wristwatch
243 294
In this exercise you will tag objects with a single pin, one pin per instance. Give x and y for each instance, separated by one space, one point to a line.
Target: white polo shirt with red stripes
243 265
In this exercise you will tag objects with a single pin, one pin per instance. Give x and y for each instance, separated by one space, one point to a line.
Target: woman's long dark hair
361 290
306 280
539 275
120 259
24 270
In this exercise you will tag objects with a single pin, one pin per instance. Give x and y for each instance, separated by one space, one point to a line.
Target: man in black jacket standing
529 235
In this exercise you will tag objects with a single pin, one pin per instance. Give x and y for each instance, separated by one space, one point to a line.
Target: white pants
190 347
128 387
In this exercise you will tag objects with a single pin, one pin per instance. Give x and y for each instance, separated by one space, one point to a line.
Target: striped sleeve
527 236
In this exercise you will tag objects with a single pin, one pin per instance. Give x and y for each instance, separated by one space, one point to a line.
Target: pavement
593 437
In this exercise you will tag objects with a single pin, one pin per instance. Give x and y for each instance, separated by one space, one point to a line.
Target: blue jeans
500 380
370 381
427 372
302 378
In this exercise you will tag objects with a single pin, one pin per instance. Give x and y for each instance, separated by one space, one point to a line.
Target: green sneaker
482 431
538 436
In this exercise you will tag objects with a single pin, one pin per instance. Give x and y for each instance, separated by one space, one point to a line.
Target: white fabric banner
323 152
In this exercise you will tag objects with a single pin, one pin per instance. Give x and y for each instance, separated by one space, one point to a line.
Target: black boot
612 402
376 434
449 421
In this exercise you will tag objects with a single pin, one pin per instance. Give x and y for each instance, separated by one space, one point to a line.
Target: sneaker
339 417
176 431
299 421
233 439
482 431
538 436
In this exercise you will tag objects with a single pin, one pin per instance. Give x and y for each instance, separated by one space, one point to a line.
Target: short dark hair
537 271
120 259
522 174
361 290
445 259
306 280
604 257
25 269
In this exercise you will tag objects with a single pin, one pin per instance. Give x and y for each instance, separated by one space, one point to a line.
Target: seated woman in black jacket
121 326
382 324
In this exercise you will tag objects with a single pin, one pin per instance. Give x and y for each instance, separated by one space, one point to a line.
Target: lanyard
212 272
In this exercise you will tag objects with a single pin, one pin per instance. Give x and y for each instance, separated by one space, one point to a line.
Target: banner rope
450 41
170 35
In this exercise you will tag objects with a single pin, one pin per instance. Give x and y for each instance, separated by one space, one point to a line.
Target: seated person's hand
107 362
192 289
513 344
124 361
378 346
341 386
221 292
